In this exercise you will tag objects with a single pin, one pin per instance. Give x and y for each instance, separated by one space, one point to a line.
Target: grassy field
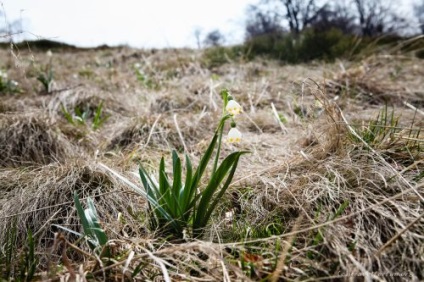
332 189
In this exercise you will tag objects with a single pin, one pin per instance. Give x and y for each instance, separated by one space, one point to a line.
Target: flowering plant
8 85
179 206
45 75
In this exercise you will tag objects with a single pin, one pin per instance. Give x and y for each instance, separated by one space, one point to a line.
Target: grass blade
176 185
81 215
95 224
206 205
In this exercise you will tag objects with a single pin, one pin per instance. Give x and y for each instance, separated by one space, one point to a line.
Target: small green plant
318 236
80 117
46 79
98 118
45 74
180 206
7 252
144 79
86 72
28 262
8 86
93 232
383 127
17 263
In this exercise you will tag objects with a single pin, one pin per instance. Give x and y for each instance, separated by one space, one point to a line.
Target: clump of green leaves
46 75
400 144
20 264
93 232
378 130
46 79
318 238
144 79
81 117
180 206
8 86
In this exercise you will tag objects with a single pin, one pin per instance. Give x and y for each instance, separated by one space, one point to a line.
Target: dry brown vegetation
318 197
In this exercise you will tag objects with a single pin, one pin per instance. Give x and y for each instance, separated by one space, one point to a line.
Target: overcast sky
138 23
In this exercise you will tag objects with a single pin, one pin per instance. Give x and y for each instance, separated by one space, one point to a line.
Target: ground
332 187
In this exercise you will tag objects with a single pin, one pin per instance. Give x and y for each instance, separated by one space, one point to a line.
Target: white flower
234 136
49 53
89 214
3 74
233 108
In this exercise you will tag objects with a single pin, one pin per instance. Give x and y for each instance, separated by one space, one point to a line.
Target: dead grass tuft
38 199
27 139
380 80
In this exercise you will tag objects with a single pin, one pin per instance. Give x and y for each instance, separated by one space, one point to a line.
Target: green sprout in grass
7 85
180 206
45 75
143 78
93 232
81 116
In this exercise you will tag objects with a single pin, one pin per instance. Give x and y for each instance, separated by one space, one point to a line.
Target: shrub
217 56
309 45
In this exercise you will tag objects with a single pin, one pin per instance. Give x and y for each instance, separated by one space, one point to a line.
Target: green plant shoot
177 206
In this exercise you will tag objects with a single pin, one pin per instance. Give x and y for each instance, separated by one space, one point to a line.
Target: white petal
233 108
234 135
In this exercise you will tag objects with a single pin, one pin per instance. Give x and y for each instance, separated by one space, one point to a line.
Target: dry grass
39 198
28 139
316 199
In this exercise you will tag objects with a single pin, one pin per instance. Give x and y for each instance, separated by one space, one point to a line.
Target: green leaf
31 259
224 95
224 187
160 212
69 230
67 115
81 215
206 204
340 210
176 185
185 194
95 224
78 112
203 163
163 182
97 116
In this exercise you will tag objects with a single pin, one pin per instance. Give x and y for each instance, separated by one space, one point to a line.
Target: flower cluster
8 85
3 75
234 109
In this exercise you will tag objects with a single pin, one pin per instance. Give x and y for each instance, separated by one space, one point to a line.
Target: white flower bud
233 108
234 136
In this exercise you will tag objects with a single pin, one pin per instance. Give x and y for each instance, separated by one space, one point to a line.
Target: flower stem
218 150
219 131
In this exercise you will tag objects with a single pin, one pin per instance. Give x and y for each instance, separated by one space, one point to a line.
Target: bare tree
261 22
197 34
419 13
301 13
336 14
377 17
362 17
9 30
214 38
